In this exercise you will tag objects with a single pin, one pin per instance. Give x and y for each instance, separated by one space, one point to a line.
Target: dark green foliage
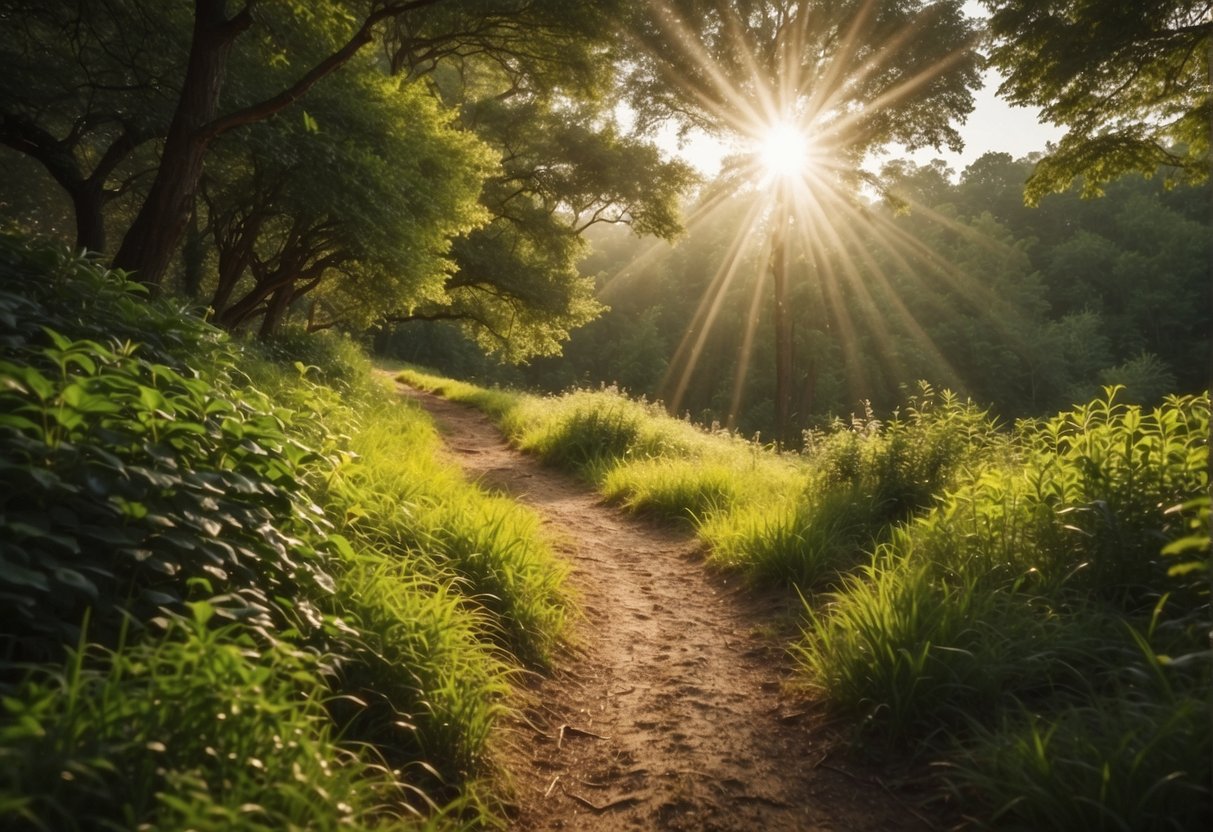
1130 82
168 533
332 358
133 485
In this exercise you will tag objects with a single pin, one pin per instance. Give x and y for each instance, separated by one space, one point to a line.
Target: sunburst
783 151
802 126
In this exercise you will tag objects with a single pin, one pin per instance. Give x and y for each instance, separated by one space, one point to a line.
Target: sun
782 151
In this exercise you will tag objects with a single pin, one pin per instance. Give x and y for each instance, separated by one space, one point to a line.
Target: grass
117 736
240 589
1027 607
1031 627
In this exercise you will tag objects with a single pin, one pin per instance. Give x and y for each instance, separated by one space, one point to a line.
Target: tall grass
1028 607
296 615
392 494
1030 624
199 728
861 479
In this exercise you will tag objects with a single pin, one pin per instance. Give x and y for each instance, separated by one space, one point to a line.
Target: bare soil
674 707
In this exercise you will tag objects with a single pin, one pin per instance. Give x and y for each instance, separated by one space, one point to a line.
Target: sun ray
747 347
691 346
801 88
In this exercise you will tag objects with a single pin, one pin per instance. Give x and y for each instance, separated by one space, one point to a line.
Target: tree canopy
256 140
1129 82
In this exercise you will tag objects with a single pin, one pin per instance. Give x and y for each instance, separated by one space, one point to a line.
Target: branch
446 316
271 106
26 137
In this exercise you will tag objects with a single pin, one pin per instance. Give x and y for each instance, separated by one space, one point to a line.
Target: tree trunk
274 311
87 204
783 331
153 237
193 256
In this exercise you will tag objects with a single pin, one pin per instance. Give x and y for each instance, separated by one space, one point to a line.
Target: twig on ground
575 732
551 786
619 802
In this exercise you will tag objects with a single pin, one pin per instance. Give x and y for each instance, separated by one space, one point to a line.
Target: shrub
184 496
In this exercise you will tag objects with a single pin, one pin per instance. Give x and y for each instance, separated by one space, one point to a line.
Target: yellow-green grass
241 590
1027 607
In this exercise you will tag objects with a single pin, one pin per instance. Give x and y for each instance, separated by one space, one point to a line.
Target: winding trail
672 709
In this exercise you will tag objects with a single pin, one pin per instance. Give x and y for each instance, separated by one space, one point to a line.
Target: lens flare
783 151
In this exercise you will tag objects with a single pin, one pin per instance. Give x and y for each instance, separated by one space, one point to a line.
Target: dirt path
672 709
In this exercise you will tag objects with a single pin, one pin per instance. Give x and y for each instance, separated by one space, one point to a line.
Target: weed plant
212 617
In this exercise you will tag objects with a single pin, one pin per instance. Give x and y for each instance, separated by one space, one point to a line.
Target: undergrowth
238 590
1026 607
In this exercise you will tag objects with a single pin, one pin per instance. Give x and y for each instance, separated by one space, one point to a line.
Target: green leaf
1192 542
12 420
152 398
20 576
74 579
342 544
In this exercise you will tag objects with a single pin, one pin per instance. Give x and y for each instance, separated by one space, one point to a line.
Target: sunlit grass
394 495
294 614
1033 629
1002 601
199 728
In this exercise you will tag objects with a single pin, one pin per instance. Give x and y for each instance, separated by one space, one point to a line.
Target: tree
205 101
565 168
851 76
354 205
83 87
1129 80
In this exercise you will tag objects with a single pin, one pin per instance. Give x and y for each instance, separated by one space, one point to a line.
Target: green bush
1026 591
213 513
131 484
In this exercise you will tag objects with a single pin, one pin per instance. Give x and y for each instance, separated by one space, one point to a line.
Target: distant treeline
1025 309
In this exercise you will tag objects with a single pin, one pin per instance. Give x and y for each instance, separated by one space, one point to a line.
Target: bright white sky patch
782 151
994 125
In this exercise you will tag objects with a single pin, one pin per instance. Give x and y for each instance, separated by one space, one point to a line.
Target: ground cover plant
239 589
1027 606
1037 623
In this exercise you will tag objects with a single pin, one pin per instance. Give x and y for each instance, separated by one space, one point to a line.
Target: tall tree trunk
193 256
87 204
153 237
783 330
151 240
275 308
